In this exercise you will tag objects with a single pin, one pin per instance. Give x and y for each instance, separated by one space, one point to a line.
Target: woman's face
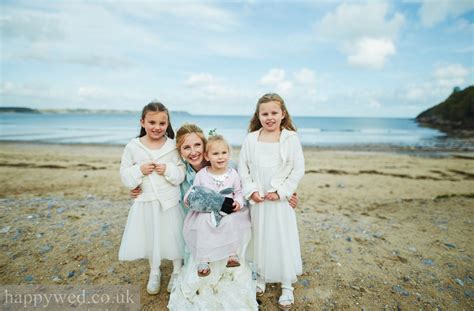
192 150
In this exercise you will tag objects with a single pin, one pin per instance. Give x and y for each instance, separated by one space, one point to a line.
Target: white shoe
173 278
286 300
153 286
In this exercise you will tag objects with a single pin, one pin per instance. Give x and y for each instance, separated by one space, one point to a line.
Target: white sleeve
238 196
175 171
130 172
249 186
296 159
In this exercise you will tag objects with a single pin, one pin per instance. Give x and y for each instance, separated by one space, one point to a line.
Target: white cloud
352 21
58 32
199 79
415 93
373 103
207 86
358 29
30 92
191 13
284 87
305 76
434 12
30 25
93 92
371 53
275 78
451 75
6 87
463 24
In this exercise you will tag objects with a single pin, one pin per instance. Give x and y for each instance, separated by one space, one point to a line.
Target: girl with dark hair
155 220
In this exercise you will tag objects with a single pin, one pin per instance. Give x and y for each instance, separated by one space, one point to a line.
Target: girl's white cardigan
164 188
290 173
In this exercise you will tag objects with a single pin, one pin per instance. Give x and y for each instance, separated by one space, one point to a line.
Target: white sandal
286 302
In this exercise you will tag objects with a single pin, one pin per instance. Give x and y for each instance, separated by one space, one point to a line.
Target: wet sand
378 230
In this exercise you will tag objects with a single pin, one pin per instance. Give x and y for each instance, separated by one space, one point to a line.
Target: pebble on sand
46 248
5 229
400 290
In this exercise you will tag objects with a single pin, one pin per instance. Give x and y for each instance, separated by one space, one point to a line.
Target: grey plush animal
205 200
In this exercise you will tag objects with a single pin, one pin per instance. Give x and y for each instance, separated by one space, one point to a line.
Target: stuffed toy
205 200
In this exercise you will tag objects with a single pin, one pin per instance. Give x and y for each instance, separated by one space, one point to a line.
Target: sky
325 58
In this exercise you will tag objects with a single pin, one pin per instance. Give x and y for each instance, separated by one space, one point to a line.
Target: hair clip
212 132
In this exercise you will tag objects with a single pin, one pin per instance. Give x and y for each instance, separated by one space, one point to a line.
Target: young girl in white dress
271 165
155 220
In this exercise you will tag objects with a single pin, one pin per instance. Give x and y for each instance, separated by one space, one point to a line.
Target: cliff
454 115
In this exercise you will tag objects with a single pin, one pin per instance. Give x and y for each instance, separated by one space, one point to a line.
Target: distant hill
454 115
17 110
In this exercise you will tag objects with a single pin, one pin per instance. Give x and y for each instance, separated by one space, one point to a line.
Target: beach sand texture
377 230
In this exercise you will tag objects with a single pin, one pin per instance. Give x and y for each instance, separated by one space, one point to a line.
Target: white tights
177 265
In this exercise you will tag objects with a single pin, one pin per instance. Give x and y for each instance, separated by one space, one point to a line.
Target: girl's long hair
155 106
286 123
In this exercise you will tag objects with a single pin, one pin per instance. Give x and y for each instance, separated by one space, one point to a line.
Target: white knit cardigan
289 174
164 188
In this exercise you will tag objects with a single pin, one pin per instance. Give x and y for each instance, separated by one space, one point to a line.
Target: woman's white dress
223 289
274 248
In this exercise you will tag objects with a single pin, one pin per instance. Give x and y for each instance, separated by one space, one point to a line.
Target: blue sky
326 58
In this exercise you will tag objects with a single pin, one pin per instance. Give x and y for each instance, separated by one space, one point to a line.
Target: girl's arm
289 184
175 171
238 196
248 184
130 172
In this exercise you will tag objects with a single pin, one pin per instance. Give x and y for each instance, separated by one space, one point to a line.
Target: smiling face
192 150
155 124
218 155
270 115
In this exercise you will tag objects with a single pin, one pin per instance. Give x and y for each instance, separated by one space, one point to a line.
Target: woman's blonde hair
214 139
286 123
186 129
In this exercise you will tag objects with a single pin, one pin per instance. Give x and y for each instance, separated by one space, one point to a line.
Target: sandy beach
378 230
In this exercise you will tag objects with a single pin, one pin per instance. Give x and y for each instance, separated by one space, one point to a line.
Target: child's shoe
204 269
153 286
260 290
233 261
286 300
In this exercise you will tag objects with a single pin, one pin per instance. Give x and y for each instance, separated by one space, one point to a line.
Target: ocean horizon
120 128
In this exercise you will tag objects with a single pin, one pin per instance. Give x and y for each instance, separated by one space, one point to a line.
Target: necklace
219 179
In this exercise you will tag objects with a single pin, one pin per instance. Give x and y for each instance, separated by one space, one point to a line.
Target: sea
120 128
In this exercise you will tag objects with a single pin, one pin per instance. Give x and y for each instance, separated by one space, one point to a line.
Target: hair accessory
212 132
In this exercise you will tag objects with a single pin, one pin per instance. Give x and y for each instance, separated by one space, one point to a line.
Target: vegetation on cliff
455 114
